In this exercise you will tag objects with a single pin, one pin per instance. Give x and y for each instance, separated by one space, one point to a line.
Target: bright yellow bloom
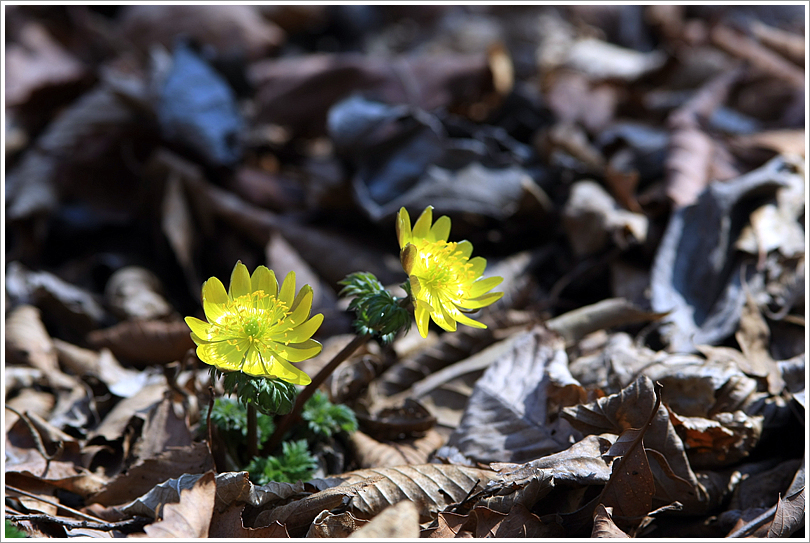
256 327
445 282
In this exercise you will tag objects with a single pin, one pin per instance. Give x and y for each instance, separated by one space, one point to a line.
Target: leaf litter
636 174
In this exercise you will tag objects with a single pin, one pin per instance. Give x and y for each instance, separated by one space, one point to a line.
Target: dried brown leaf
28 342
235 30
789 516
754 336
603 525
327 524
507 416
229 524
191 516
73 306
371 453
148 472
145 342
483 522
36 61
134 292
430 486
399 520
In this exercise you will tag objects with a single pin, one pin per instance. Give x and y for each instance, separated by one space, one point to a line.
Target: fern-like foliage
326 419
295 463
378 312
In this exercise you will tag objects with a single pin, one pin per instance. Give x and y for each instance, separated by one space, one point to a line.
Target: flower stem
287 421
252 432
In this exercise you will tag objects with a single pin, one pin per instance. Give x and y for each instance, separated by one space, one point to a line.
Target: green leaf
327 419
295 463
13 531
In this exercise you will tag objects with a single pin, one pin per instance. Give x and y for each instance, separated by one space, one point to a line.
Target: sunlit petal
421 314
465 247
300 333
263 279
240 281
215 299
287 292
422 227
484 285
403 227
481 301
296 352
440 231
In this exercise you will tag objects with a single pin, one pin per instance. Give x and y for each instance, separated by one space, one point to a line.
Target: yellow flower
445 282
256 327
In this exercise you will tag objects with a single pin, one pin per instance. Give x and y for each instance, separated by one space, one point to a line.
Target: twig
55 504
60 447
135 524
287 421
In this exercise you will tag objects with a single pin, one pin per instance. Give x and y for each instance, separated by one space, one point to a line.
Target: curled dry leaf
28 342
603 525
483 522
371 453
409 419
704 296
593 220
689 163
75 307
723 440
191 516
327 524
144 342
32 186
136 293
674 478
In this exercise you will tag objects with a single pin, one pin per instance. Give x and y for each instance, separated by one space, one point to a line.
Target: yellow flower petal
265 280
198 327
301 307
422 227
291 374
300 333
440 231
479 264
484 285
215 299
481 301
421 314
465 248
223 355
464 319
403 227
240 281
287 292
296 352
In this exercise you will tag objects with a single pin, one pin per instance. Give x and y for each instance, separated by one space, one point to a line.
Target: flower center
444 268
251 326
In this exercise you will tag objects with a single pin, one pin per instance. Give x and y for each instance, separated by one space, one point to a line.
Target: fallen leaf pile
636 174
